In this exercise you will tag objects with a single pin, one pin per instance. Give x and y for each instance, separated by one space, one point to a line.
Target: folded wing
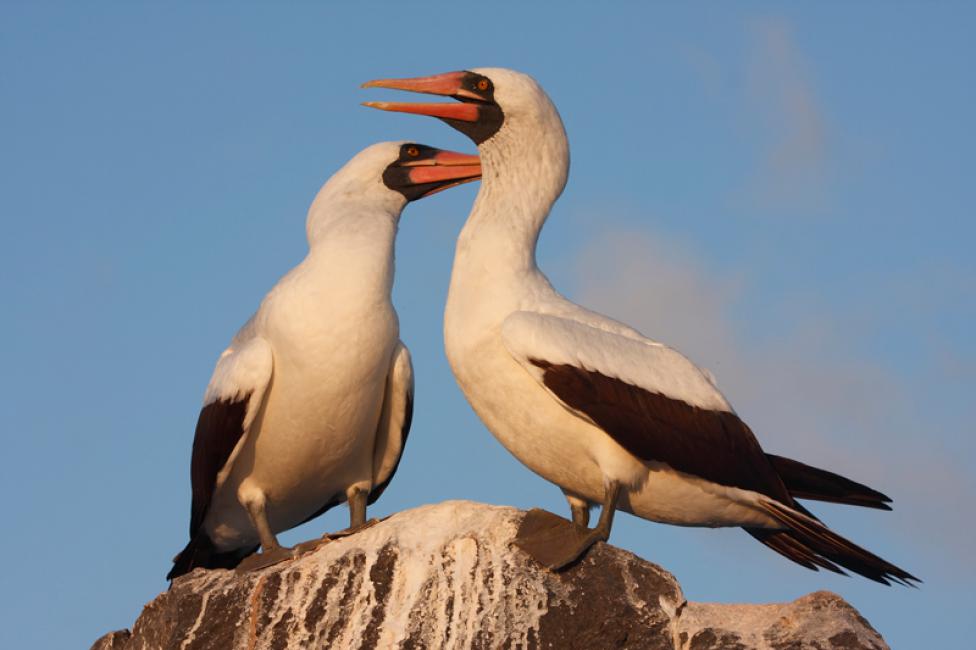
234 396
395 420
649 398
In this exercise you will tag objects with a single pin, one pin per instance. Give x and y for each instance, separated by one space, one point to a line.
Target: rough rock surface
446 576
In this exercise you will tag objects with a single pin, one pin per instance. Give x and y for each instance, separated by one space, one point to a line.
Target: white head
520 136
383 178
529 135
493 101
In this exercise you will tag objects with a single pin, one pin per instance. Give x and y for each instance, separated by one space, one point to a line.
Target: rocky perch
446 576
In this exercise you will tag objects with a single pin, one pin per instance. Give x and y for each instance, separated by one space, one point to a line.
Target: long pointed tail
201 552
806 482
809 543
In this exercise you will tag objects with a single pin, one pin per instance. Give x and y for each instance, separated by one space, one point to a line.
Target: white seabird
588 403
311 404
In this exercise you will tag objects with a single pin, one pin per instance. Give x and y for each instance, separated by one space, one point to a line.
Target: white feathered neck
524 170
355 203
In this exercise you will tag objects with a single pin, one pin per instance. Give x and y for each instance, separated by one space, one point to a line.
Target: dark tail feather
809 543
201 552
781 542
806 482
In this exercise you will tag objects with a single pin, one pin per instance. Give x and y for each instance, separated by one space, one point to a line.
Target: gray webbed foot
552 540
352 530
557 543
313 544
265 559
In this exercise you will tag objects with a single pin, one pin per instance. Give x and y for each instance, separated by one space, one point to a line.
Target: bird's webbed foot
266 558
557 543
553 541
352 530
313 544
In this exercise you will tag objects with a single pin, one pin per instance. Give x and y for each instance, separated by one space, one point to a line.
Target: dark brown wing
713 445
377 491
219 427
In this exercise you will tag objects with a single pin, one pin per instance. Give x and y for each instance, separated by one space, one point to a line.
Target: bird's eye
482 84
413 152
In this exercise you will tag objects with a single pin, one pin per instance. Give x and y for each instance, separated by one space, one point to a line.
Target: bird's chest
331 358
323 402
315 328
517 410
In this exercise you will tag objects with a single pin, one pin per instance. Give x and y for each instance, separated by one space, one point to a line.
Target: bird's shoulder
584 339
244 368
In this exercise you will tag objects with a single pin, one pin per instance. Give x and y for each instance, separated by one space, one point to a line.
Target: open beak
444 166
448 84
440 171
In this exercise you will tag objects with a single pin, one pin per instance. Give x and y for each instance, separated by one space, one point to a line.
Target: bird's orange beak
431 171
448 167
447 85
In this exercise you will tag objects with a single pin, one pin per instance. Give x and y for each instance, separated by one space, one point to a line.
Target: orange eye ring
482 84
413 152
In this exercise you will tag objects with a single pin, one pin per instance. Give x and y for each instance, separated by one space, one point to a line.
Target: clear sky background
784 193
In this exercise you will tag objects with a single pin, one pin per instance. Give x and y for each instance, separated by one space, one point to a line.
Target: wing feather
649 398
638 361
233 398
395 421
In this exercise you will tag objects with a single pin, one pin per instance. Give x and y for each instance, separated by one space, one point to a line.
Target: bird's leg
269 542
602 531
272 552
356 495
557 543
580 508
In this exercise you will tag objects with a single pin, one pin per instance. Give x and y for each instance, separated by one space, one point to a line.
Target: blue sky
785 193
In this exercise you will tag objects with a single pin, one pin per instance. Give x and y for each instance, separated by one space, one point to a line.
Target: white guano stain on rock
196 625
447 576
429 583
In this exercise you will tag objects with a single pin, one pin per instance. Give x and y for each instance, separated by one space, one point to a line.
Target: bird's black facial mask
490 115
478 116
420 171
